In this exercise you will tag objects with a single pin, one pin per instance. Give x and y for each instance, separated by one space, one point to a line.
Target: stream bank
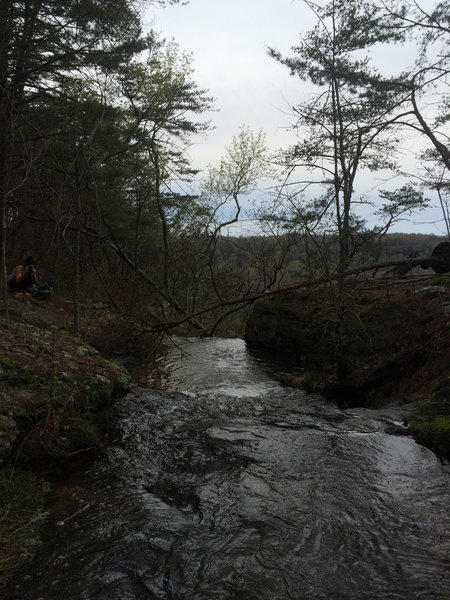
57 399
67 387
223 484
396 347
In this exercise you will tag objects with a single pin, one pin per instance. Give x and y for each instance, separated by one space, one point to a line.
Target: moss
122 383
57 398
19 371
433 432
13 371
22 497
82 434
291 380
99 391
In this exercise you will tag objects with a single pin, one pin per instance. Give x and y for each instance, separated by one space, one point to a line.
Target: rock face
281 323
439 260
56 393
389 340
299 328
442 254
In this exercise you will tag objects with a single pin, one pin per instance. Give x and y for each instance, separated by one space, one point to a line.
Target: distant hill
392 246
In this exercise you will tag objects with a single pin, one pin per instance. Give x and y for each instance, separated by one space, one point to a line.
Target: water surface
225 485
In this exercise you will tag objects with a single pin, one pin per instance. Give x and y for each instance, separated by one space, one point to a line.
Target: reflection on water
227 485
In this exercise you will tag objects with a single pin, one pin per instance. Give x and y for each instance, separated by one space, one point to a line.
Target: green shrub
434 432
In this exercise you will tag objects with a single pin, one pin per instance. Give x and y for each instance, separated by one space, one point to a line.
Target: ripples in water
226 485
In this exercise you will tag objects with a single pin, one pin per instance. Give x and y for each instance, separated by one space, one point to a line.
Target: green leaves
245 162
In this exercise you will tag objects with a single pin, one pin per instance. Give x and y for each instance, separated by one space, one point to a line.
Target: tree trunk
162 214
5 138
77 251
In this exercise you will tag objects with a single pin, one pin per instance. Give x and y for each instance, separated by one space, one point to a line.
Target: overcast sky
228 40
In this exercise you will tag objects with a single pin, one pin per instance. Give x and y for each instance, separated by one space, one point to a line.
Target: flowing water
225 485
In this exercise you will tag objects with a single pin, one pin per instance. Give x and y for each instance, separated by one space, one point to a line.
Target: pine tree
348 124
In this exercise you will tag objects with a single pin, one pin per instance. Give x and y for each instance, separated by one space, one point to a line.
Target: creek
226 485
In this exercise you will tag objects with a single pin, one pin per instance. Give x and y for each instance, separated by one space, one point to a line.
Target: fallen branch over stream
410 262
439 262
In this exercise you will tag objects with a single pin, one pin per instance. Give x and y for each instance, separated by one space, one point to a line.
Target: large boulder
56 392
391 341
441 254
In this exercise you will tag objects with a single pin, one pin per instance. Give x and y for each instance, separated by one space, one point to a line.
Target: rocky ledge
395 347
56 399
56 392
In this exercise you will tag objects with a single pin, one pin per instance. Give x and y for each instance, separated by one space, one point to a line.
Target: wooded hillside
96 182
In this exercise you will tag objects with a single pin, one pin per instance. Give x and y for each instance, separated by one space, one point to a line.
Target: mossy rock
82 434
99 391
433 432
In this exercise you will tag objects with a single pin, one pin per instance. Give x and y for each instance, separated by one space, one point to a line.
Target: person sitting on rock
24 277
